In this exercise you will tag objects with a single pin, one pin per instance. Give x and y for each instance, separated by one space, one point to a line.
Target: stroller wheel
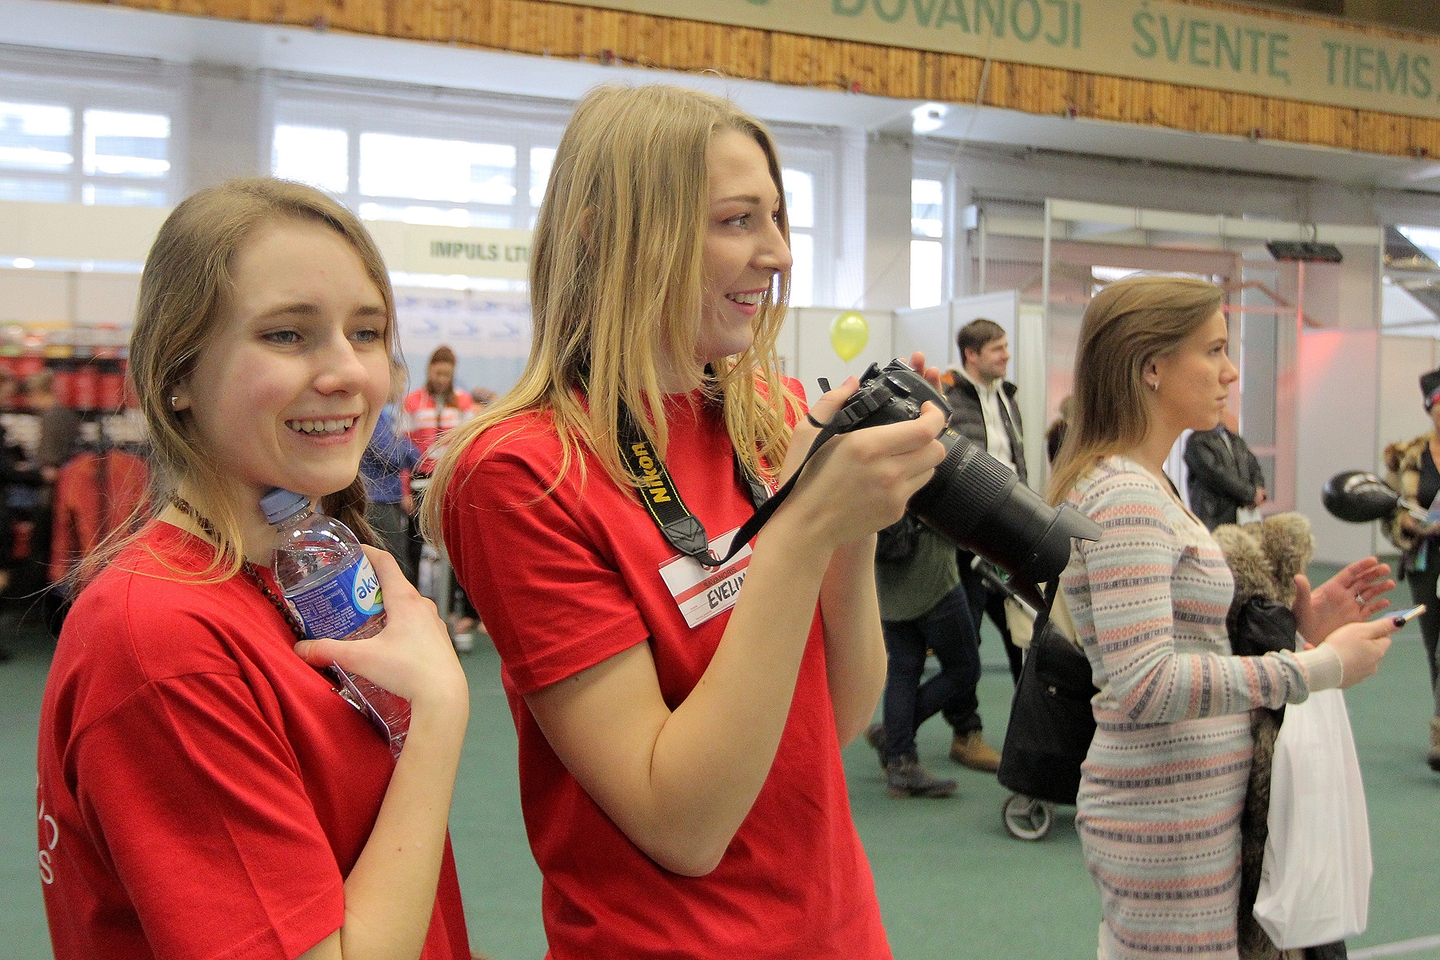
1027 818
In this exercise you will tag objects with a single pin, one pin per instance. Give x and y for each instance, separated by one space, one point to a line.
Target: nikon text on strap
681 528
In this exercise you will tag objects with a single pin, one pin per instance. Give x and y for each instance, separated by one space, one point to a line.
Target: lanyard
681 528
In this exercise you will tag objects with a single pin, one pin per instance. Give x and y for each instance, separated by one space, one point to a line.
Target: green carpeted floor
952 883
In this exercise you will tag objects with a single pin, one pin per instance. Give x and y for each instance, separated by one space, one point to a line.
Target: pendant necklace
251 573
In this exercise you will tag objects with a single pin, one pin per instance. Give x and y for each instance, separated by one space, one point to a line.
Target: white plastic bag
1315 878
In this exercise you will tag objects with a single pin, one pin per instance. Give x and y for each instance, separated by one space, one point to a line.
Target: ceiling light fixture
928 117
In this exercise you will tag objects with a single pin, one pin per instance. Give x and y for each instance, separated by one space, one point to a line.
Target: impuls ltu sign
454 251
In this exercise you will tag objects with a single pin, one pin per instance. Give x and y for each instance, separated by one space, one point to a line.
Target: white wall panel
816 357
106 298
927 329
28 296
71 231
1337 430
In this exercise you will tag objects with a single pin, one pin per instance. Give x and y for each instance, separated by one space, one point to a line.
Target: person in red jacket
96 494
679 724
435 409
204 790
431 412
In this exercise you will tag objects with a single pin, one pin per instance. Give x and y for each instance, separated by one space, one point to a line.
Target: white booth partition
808 350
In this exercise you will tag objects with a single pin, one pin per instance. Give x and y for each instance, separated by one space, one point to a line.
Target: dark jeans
948 631
984 600
417 540
1422 590
393 526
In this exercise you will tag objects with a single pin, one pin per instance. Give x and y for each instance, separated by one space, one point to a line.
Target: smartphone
1402 617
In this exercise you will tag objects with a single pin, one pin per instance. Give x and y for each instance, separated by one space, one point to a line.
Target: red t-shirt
202 791
566 579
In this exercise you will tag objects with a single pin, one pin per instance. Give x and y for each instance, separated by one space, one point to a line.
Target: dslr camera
973 500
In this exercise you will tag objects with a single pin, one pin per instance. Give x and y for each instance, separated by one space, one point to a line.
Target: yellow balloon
848 335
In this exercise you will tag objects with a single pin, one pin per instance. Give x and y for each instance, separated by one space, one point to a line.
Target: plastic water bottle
330 586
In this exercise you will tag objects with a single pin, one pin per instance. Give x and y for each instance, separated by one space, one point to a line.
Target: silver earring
174 402
1154 385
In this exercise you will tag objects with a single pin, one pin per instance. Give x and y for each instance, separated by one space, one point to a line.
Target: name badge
702 592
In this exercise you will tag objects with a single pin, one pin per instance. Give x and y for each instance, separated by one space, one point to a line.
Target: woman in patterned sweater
1164 781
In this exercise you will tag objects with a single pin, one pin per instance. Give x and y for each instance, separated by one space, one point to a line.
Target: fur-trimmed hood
1265 557
1404 455
1402 471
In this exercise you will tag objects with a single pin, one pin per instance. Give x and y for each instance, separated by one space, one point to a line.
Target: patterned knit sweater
1149 600
1164 781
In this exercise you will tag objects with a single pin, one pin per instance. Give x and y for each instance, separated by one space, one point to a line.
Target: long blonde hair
1126 325
184 290
616 283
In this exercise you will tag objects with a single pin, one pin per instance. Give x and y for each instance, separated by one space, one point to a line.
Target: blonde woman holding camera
680 737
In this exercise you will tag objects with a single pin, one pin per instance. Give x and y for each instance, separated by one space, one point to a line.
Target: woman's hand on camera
1355 593
1361 647
411 657
859 482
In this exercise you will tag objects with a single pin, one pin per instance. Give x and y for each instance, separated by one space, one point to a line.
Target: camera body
973 500
889 394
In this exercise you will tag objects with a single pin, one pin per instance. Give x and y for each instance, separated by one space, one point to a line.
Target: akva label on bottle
341 605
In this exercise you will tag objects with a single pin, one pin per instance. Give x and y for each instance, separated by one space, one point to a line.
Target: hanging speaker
1306 250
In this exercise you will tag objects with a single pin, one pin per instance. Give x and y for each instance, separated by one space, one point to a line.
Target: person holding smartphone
1164 780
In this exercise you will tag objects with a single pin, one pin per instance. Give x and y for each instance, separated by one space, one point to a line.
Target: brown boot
875 736
904 777
971 750
1432 757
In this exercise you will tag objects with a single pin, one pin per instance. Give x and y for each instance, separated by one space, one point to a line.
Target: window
927 248
541 160
471 160
39 191
926 269
808 159
124 155
89 128
426 168
927 198
127 144
800 206
35 137
465 163
315 155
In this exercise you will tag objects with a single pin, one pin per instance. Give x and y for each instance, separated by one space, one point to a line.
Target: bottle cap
280 505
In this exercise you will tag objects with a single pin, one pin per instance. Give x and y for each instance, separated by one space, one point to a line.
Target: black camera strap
681 528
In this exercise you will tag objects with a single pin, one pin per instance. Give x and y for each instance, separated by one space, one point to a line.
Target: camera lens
980 504
973 499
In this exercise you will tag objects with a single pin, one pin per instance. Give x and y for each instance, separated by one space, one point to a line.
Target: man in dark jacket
982 401
1223 474
983 410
